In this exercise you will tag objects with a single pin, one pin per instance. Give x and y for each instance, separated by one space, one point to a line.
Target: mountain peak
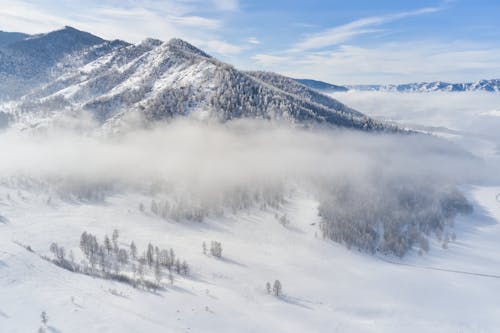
182 45
68 34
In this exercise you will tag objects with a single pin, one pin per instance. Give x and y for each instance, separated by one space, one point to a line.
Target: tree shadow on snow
294 301
181 290
231 261
3 219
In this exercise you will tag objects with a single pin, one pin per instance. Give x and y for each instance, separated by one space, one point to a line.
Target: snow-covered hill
76 71
322 86
326 288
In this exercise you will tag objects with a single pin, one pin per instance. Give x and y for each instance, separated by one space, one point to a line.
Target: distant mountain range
322 86
482 85
71 70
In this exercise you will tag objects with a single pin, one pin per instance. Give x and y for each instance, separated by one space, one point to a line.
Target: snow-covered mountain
322 86
74 70
7 38
27 62
481 85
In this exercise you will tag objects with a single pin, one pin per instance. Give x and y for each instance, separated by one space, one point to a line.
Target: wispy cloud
253 40
266 60
346 32
396 62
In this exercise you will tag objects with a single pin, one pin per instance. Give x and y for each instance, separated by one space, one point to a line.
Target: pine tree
107 244
277 289
44 317
150 255
133 250
268 288
115 241
185 268
158 273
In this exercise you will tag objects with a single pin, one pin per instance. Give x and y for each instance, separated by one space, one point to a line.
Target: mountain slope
322 86
32 61
7 38
161 80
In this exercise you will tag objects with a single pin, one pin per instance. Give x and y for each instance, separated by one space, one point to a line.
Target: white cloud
226 5
343 33
269 60
198 21
221 47
253 40
397 63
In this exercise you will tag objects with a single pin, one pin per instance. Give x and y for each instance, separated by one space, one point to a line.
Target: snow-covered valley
236 201
326 286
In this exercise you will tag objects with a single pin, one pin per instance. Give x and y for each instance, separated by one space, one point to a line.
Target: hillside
73 71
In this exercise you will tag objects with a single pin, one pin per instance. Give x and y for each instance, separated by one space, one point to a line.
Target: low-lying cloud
192 169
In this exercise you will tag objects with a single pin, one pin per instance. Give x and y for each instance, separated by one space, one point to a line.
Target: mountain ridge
489 85
162 80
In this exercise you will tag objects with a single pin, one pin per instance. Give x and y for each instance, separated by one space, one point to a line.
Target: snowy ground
327 288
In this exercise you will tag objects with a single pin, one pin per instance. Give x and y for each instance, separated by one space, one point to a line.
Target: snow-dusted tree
44 317
268 288
122 256
72 259
133 250
172 257
107 244
164 258
284 221
178 266
133 267
140 271
204 247
116 267
54 248
171 277
185 268
158 273
150 255
216 249
277 289
115 236
61 253
154 207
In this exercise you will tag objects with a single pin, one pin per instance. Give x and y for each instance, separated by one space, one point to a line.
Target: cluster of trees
87 191
276 289
195 208
391 218
215 248
283 219
109 260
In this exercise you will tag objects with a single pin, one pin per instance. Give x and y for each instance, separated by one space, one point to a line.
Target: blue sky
343 42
